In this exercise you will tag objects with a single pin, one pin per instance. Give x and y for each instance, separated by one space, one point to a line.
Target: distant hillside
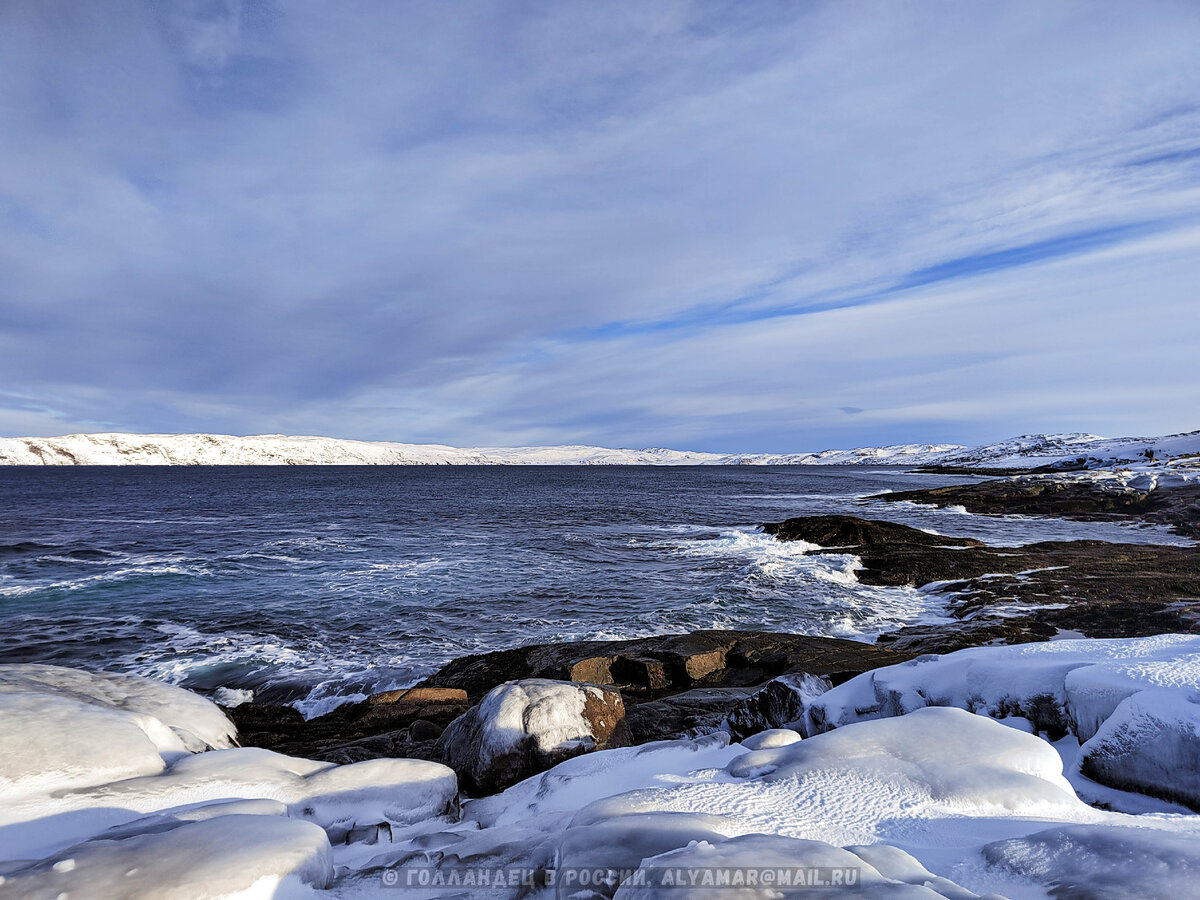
282 450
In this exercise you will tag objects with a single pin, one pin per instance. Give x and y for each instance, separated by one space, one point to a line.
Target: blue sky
722 226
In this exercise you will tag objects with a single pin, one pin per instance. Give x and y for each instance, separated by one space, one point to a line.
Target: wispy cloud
714 224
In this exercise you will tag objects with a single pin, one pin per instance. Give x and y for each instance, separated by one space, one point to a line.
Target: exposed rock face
1018 594
528 726
666 665
402 723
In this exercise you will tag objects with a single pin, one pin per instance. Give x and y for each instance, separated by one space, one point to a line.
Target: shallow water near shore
317 585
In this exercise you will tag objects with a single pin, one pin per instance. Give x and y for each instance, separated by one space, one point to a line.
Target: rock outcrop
670 686
1016 594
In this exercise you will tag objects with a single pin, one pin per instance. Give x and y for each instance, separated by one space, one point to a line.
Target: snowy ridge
115 449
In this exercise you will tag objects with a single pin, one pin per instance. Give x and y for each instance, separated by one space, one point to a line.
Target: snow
938 802
1131 702
195 721
392 791
1151 744
771 738
1180 453
745 858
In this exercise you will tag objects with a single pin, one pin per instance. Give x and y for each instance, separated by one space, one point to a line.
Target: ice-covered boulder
64 728
263 856
198 723
942 755
1089 688
1103 862
525 727
1150 744
377 793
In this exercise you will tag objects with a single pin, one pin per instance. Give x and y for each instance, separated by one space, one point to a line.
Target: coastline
677 686
943 774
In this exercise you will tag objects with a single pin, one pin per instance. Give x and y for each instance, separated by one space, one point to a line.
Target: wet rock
672 685
1018 594
1072 498
666 665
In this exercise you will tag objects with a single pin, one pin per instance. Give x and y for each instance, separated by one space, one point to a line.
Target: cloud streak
704 224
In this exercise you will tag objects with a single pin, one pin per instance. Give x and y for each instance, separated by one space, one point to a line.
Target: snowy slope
281 450
1046 449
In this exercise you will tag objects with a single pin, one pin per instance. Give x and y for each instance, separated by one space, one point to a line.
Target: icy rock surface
524 727
102 797
219 857
1071 686
1103 862
65 728
1150 744
773 737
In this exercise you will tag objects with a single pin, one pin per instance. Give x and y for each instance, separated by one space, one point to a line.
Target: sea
314 586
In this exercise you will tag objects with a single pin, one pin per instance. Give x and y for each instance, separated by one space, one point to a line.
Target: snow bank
1073 686
1150 744
738 866
933 801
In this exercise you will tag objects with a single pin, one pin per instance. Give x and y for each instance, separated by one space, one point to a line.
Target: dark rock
1019 594
672 685
648 668
1177 507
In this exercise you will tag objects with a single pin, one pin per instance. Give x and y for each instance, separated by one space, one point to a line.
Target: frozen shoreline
927 798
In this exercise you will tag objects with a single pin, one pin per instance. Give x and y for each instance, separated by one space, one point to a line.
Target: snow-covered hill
1094 451
281 450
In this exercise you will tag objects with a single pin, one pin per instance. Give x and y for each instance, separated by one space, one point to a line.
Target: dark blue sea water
313 585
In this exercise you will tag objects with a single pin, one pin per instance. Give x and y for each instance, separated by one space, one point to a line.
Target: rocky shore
665 687
1089 496
742 682
929 776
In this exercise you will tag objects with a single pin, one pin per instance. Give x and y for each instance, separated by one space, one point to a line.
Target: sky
726 226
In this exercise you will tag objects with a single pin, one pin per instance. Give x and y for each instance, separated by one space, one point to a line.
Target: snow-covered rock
527 726
1103 862
263 856
64 728
767 865
377 792
771 738
1074 686
1150 744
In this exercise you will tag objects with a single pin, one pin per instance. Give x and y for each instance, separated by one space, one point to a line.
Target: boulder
1150 744
525 727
